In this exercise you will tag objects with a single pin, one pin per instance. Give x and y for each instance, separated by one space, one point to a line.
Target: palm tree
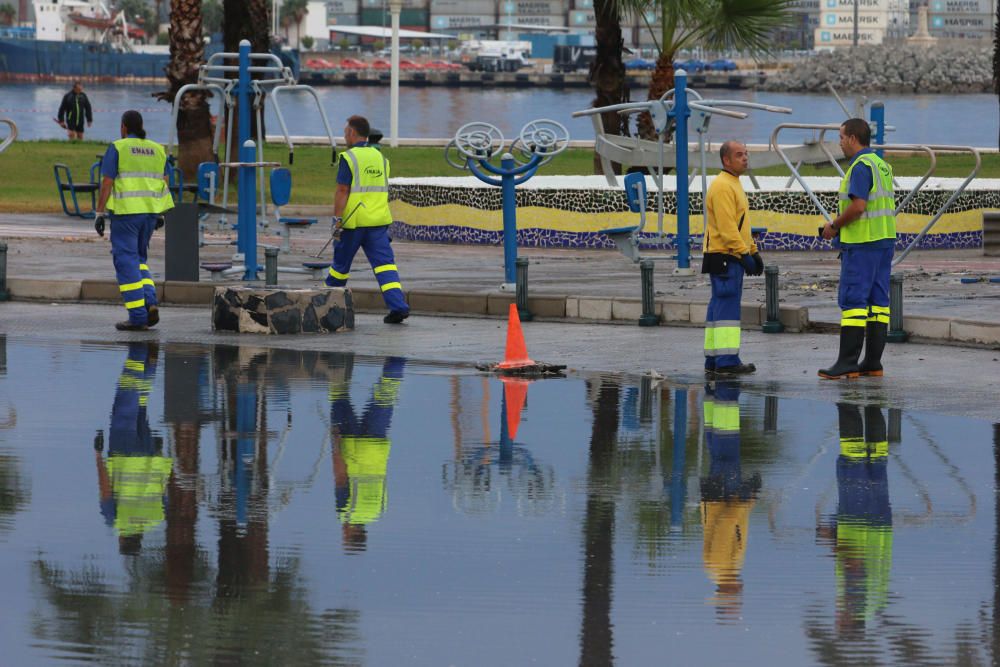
714 24
292 13
7 14
187 54
607 72
996 57
246 19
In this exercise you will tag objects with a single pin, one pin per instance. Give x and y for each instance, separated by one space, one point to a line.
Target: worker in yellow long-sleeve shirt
730 252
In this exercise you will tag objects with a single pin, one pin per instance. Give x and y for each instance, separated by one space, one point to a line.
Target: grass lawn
28 185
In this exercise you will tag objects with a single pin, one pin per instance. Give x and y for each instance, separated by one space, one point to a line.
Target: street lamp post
395 6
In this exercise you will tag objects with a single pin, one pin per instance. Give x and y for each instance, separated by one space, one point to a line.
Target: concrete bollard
649 318
895 426
896 333
521 289
270 266
773 322
4 294
770 414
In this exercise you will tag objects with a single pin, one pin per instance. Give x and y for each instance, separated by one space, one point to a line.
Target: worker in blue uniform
361 218
727 497
361 451
134 190
133 479
861 533
730 252
866 231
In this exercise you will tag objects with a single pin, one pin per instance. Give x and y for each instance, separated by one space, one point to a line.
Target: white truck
496 55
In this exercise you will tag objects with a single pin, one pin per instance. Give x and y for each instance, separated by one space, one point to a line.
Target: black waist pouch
716 262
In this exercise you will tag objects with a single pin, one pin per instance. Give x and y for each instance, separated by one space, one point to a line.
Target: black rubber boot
852 339
875 335
128 326
153 316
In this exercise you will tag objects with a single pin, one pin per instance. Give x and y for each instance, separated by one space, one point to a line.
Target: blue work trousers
864 277
378 249
722 319
130 235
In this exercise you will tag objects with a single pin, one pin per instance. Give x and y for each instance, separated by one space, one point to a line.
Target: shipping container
582 18
589 4
378 17
961 6
554 21
343 19
463 7
458 21
342 7
531 7
407 4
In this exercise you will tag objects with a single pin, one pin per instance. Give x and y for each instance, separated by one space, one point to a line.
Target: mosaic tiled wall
574 218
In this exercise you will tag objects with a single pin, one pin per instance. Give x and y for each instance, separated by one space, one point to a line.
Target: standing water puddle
196 505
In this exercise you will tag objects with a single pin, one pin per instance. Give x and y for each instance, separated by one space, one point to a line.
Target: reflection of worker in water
726 497
134 477
361 452
861 533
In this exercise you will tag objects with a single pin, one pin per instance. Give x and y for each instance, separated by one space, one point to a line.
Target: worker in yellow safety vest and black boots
361 218
361 451
862 530
133 479
866 226
134 190
730 252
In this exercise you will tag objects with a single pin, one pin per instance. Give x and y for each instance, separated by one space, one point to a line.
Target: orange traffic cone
516 355
515 393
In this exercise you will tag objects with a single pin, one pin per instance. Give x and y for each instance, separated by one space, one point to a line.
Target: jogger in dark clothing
74 110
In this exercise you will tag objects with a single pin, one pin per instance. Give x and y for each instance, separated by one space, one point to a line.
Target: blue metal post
509 219
678 485
506 444
878 117
681 113
243 91
246 427
246 226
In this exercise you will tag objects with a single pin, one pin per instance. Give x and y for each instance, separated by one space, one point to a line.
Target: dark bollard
521 289
270 266
773 322
4 294
895 426
649 317
896 333
770 414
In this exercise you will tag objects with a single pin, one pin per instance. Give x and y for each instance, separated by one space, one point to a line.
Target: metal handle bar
252 68
747 105
223 55
712 110
788 163
954 195
11 137
639 106
186 88
281 118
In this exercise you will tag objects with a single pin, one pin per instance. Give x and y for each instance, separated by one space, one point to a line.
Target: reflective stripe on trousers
722 319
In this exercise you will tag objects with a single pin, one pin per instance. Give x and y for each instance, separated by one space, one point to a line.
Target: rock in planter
282 310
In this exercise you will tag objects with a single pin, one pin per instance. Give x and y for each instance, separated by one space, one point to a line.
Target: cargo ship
79 39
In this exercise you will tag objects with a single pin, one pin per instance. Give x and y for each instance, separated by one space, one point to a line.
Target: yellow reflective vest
879 219
138 484
139 186
366 459
369 188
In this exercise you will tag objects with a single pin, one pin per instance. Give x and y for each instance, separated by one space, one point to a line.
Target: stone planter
281 310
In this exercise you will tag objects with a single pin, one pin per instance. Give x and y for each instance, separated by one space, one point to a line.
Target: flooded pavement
181 503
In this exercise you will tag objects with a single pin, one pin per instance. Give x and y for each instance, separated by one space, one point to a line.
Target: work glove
749 265
160 221
99 441
99 223
759 261
335 227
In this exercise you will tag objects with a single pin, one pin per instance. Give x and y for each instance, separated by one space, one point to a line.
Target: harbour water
439 112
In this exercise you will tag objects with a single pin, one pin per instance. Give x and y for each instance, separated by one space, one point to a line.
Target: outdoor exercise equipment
670 114
538 142
65 184
878 144
11 137
244 95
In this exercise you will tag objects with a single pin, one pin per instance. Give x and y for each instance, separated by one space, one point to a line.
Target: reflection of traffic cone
515 393
516 355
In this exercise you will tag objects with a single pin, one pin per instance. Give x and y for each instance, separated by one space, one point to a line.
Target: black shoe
852 339
153 317
738 369
395 317
128 326
875 335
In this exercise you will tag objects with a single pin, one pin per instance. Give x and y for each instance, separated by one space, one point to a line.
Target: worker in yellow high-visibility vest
361 218
134 190
866 231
